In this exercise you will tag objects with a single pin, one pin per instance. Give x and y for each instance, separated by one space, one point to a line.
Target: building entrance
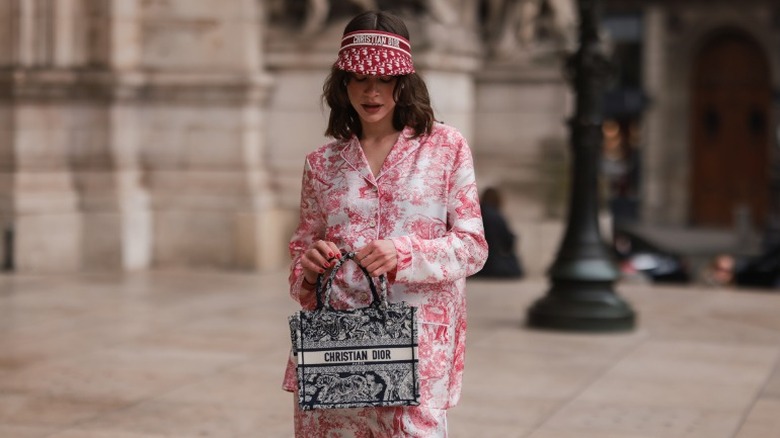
731 98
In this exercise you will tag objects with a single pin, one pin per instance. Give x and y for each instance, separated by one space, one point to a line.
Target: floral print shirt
425 200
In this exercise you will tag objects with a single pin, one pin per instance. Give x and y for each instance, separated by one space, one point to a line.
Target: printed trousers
393 422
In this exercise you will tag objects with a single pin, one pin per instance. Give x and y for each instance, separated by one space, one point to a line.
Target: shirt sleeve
462 251
311 226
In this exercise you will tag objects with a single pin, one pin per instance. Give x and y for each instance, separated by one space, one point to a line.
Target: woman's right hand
320 257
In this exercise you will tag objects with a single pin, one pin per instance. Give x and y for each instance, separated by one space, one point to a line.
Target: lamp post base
574 306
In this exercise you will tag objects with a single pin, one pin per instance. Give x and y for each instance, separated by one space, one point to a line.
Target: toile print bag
363 357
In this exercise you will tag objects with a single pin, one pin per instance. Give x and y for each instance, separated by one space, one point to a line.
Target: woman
397 188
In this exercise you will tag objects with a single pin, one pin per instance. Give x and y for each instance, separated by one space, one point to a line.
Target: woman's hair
413 104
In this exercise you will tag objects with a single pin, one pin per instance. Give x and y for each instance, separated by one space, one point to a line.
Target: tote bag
356 358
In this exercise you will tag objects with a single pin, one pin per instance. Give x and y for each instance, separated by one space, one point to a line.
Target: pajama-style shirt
425 200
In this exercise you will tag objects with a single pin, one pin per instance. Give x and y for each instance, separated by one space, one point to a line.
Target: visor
375 53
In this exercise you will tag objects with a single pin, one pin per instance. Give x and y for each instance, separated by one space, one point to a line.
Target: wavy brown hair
413 104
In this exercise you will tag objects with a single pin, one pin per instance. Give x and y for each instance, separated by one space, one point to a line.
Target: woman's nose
371 85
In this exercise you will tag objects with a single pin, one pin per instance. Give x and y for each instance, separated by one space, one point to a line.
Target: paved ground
170 354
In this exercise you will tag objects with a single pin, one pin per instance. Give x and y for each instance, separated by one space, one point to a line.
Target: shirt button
372 223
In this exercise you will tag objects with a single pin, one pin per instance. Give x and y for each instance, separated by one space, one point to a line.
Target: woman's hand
378 257
317 259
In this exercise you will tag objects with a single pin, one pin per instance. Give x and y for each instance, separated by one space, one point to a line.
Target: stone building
141 134
711 132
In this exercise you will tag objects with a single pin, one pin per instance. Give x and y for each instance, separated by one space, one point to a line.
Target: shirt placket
375 213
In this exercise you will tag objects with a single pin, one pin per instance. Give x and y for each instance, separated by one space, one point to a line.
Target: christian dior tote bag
356 358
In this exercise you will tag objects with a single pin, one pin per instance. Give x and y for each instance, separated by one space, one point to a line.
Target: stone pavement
200 354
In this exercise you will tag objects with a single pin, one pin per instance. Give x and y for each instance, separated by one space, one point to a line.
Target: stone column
131 135
38 210
450 81
39 217
103 148
654 202
203 157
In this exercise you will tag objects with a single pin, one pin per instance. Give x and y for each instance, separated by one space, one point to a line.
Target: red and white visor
375 53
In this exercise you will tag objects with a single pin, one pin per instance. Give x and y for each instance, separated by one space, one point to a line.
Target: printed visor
375 53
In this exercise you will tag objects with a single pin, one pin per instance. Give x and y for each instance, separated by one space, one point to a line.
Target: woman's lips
371 108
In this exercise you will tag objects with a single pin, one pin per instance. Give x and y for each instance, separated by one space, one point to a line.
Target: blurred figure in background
502 261
719 272
760 271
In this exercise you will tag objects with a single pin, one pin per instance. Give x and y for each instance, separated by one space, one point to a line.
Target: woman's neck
377 133
376 146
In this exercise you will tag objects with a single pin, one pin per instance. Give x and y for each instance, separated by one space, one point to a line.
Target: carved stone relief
313 16
519 29
502 30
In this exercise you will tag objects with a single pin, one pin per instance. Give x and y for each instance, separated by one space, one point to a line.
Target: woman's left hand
378 257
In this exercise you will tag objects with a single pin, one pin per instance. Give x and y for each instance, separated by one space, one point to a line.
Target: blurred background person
719 272
502 261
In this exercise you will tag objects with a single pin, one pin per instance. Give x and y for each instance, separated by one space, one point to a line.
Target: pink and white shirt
425 200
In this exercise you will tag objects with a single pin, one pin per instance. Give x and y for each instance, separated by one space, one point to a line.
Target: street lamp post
581 297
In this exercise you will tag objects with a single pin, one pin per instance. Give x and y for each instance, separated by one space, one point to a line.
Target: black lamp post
582 297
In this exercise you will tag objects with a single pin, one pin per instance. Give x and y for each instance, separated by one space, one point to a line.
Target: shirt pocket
436 360
437 342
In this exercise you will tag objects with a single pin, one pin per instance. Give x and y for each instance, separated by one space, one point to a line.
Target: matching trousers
392 422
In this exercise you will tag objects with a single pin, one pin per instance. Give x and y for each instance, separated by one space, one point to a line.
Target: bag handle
325 287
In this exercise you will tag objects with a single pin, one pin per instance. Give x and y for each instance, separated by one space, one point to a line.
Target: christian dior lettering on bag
356 358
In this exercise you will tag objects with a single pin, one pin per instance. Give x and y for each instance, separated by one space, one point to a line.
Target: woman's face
372 98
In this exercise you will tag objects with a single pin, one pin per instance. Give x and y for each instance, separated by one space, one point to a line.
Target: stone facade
674 34
133 135
139 134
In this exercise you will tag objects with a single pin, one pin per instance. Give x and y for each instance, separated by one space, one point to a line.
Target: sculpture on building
453 12
519 28
317 12
313 16
446 26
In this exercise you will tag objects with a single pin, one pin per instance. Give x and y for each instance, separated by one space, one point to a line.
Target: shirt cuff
307 298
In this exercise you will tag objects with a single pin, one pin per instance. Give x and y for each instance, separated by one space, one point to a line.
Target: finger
375 272
333 251
360 256
313 267
318 262
324 249
382 266
328 251
378 272
376 268
370 261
